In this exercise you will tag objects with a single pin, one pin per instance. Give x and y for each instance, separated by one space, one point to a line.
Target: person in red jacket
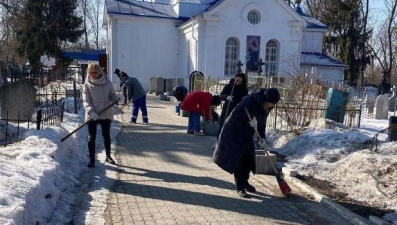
198 103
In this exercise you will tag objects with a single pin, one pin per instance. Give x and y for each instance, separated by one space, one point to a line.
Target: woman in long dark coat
231 99
235 151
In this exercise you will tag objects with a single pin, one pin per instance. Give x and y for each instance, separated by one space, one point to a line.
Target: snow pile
333 152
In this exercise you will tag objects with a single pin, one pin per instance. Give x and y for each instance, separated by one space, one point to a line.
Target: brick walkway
165 176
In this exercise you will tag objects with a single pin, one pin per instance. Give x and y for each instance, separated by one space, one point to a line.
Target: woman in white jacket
98 93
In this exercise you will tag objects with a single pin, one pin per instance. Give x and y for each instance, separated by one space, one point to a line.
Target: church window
271 63
254 17
231 56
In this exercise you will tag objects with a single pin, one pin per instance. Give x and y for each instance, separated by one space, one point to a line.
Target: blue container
177 109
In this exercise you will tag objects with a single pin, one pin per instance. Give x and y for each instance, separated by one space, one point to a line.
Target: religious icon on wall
253 47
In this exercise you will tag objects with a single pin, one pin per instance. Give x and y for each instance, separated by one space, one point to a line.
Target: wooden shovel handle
86 122
259 137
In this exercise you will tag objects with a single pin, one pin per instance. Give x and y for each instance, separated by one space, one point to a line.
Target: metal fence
12 130
293 118
50 104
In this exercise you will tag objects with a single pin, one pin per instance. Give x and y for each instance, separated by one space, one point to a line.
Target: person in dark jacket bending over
180 93
137 96
231 99
123 87
235 151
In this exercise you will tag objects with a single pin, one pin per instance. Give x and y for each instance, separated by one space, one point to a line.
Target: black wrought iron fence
298 117
11 130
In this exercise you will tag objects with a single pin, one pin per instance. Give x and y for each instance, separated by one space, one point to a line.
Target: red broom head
284 188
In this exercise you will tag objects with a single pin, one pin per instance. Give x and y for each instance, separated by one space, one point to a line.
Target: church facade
173 38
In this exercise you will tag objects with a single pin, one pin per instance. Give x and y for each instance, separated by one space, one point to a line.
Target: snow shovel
285 189
86 122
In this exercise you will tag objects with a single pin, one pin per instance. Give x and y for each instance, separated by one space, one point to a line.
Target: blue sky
377 8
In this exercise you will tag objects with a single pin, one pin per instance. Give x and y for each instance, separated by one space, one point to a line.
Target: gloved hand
94 115
253 123
262 143
229 98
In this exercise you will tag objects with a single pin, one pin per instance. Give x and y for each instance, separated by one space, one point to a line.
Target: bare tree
9 19
84 6
91 12
383 49
363 45
96 21
315 8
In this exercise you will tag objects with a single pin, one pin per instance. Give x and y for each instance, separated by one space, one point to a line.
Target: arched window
272 55
231 56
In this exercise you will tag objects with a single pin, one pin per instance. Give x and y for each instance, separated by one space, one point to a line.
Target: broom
228 105
285 189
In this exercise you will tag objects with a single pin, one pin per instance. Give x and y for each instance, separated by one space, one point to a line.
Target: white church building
175 38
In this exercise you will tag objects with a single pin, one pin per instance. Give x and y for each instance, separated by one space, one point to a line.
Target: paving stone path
165 176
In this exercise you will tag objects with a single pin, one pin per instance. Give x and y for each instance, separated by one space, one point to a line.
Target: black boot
91 149
242 194
110 160
250 188
91 164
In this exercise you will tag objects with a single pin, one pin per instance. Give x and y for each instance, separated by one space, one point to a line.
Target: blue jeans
194 122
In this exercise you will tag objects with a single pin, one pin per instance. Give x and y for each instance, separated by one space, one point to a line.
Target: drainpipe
196 41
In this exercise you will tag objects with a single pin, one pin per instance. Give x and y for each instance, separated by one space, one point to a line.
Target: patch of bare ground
328 189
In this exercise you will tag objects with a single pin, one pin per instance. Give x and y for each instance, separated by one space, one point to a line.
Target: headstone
171 83
159 86
336 101
392 99
153 85
263 165
382 107
17 98
351 93
3 130
393 128
369 101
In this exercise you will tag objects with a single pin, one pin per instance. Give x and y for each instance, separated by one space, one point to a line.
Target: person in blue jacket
137 96
235 151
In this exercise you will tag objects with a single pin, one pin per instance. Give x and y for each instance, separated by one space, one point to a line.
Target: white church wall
194 47
274 25
148 47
